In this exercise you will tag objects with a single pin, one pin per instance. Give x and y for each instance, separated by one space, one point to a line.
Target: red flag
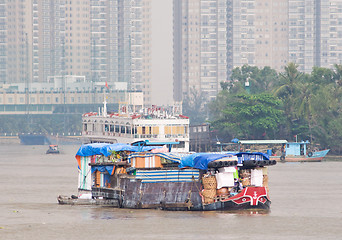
107 85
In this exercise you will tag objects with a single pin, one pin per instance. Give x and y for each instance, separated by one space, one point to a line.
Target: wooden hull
64 200
180 196
52 152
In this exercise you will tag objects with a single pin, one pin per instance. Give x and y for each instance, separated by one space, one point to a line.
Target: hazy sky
162 75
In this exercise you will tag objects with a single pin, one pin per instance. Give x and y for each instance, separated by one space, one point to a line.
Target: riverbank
333 158
5 140
60 140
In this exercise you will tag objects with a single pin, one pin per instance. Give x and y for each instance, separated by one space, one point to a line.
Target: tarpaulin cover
200 160
242 156
109 169
106 149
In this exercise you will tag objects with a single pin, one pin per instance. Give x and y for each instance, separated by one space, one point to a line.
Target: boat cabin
296 148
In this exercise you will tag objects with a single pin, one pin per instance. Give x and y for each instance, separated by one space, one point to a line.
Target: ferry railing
115 134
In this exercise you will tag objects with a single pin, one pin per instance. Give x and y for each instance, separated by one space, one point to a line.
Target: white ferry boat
153 124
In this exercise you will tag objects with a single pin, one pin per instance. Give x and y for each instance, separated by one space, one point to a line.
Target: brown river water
306 204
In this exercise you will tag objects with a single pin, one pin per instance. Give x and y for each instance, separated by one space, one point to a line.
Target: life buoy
310 154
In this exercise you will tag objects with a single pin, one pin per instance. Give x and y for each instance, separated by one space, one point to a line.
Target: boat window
180 145
128 129
123 129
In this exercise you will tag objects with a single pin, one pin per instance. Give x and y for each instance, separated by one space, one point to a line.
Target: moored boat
125 126
147 177
289 151
53 149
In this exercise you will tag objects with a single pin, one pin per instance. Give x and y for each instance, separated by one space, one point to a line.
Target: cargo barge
149 176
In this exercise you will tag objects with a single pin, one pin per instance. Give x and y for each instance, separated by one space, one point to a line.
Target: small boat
144 176
298 152
75 200
53 149
287 151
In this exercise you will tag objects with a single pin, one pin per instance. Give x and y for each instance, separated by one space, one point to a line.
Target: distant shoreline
5 140
9 140
331 157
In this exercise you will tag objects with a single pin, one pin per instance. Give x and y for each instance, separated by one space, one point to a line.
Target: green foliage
306 105
249 116
260 80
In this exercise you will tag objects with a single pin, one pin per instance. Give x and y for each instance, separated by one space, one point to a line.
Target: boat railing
138 136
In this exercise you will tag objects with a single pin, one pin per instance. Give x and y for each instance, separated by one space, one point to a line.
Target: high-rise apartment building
104 40
211 37
45 28
200 47
15 41
315 33
260 36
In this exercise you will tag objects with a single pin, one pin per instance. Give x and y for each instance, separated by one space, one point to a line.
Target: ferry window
143 130
122 129
84 127
180 145
128 129
106 128
117 128
111 128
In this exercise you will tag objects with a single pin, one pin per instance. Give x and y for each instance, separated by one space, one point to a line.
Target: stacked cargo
209 188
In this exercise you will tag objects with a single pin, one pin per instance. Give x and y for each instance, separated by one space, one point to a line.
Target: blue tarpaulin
200 160
109 169
106 149
242 156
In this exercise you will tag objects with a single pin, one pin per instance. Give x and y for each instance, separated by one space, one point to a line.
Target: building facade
315 32
103 40
200 47
211 37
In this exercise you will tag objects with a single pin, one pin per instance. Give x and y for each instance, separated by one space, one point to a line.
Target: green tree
287 90
260 80
249 116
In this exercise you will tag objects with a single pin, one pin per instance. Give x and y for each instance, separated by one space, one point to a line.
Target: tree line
288 105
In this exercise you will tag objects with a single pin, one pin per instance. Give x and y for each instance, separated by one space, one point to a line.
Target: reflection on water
107 213
30 181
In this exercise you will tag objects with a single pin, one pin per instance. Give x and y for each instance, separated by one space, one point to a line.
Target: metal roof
263 141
